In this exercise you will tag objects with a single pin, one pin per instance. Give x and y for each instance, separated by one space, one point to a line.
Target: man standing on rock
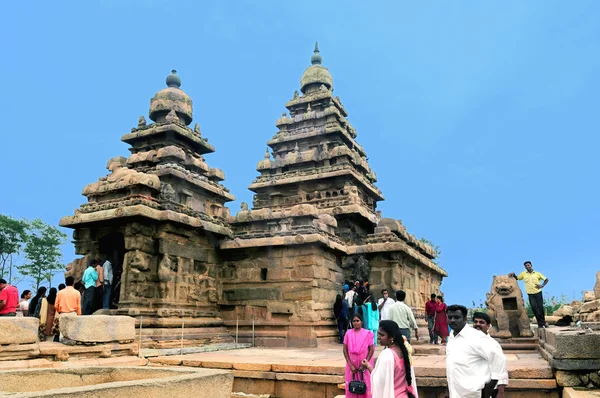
533 288
482 322
473 365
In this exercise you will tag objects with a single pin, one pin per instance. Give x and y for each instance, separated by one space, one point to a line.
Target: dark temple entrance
113 246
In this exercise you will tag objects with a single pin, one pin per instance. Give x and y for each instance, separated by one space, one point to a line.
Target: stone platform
288 372
570 392
114 381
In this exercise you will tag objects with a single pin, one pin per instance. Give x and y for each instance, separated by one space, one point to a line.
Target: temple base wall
288 291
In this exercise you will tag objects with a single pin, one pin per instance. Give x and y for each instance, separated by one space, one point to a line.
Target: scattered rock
588 296
94 329
568 379
564 310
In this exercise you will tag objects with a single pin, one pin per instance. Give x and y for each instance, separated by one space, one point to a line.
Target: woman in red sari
441 320
358 345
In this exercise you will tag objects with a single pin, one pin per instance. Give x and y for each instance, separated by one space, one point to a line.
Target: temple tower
159 215
316 160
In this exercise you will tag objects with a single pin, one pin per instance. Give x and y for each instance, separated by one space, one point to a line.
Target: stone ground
275 370
526 370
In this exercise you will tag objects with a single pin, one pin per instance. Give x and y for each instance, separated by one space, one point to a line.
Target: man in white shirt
383 305
350 297
473 365
401 313
108 280
482 322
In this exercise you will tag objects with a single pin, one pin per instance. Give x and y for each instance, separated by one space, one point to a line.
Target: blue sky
480 118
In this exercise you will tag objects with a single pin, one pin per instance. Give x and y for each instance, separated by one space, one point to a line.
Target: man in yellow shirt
533 288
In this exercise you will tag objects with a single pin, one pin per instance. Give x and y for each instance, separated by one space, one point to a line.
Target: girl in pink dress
358 346
393 376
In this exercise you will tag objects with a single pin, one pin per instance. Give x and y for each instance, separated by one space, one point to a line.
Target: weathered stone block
300 272
252 294
588 295
97 328
139 242
278 274
567 379
572 344
297 294
194 252
278 307
590 306
21 330
564 310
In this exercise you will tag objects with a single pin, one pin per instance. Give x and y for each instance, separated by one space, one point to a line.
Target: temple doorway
113 246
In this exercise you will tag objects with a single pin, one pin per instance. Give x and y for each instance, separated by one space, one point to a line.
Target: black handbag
357 386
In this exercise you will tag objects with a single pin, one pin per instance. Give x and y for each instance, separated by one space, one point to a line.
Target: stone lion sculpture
507 309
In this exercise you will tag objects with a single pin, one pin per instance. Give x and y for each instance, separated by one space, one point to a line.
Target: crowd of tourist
48 305
475 363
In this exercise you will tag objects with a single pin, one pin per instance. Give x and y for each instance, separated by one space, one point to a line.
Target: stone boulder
597 286
564 310
18 330
97 328
565 315
588 296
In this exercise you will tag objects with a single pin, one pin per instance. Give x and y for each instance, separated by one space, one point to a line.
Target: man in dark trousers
534 283
430 308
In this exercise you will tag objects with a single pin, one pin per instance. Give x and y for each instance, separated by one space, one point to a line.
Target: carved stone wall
168 270
281 283
397 271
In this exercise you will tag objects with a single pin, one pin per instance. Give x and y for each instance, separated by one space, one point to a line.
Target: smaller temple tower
159 215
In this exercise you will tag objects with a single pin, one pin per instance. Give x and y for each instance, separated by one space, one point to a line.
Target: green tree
13 234
42 252
436 248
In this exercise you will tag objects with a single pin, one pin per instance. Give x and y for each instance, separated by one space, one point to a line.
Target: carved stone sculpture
507 309
167 193
244 206
141 121
359 266
172 117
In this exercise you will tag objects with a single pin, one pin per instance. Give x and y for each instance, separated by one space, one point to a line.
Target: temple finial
173 80
267 155
316 57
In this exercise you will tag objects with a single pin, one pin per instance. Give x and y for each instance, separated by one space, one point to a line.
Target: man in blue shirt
90 276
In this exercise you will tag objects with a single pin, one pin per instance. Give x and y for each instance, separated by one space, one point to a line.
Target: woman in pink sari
441 320
358 346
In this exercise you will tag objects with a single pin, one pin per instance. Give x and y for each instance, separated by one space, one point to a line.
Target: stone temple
180 257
